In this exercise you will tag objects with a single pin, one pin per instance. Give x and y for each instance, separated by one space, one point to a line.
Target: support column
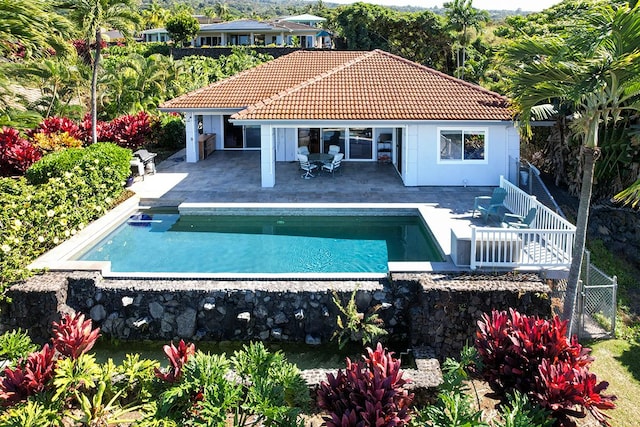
267 156
191 128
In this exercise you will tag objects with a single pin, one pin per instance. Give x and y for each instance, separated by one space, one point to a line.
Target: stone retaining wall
444 316
429 310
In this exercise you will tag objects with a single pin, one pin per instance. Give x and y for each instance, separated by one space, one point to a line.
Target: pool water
168 242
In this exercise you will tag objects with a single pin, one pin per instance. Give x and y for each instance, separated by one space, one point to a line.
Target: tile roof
344 85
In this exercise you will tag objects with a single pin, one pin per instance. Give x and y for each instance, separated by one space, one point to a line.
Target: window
252 137
333 136
462 144
360 143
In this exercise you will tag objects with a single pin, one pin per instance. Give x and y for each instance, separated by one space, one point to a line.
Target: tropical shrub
266 389
355 326
168 131
55 141
59 204
54 165
74 335
272 389
534 356
29 377
366 393
178 357
31 414
15 345
112 160
16 153
128 131
56 125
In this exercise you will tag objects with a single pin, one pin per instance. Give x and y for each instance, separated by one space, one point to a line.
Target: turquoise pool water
170 243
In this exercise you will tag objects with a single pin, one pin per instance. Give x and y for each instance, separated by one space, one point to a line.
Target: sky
527 5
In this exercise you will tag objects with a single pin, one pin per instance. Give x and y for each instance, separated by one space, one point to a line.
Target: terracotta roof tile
340 85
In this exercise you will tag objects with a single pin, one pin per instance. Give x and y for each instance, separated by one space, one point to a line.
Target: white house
249 32
435 129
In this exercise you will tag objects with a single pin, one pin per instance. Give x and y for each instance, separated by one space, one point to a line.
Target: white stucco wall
421 156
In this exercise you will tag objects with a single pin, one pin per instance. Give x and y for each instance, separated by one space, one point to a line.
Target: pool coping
60 257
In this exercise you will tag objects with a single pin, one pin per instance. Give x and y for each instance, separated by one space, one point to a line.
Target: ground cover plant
533 356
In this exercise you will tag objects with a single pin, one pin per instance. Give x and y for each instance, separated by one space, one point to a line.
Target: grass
618 363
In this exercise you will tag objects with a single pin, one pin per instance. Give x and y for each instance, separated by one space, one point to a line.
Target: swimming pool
305 242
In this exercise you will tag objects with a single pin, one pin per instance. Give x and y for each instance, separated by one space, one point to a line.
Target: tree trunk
571 295
94 88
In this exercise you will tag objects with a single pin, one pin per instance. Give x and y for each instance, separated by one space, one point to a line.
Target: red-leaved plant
29 377
534 356
74 336
128 131
52 125
16 153
367 393
178 357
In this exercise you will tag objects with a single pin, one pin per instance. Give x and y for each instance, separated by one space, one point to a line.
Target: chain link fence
596 303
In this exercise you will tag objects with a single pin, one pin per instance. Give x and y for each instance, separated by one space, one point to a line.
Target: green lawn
618 363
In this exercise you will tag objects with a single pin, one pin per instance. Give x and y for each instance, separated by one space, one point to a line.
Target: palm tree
154 15
222 10
598 78
462 16
59 80
34 26
92 16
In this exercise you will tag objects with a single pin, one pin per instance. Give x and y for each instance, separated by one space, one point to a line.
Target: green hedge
36 216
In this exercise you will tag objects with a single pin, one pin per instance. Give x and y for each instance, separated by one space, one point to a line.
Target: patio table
320 158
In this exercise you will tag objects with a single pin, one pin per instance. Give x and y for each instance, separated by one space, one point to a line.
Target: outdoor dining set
310 162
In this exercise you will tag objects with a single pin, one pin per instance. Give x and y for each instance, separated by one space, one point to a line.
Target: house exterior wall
423 167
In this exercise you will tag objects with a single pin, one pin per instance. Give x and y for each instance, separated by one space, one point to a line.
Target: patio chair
334 164
147 160
306 166
489 205
334 149
519 221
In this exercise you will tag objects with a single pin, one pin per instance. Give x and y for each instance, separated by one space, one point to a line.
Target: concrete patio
234 177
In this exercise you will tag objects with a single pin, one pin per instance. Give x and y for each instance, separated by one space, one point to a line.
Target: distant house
435 129
248 32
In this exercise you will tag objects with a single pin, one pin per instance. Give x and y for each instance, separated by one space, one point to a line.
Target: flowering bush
534 356
16 153
77 187
366 393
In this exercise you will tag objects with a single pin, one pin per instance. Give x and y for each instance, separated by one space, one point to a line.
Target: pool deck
234 177
231 179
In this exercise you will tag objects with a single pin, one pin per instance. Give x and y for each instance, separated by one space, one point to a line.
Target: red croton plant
534 356
16 153
367 393
73 336
178 357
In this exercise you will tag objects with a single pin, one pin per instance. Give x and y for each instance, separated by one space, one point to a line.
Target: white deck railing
548 243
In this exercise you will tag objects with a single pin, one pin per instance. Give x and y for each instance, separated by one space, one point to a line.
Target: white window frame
462 160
